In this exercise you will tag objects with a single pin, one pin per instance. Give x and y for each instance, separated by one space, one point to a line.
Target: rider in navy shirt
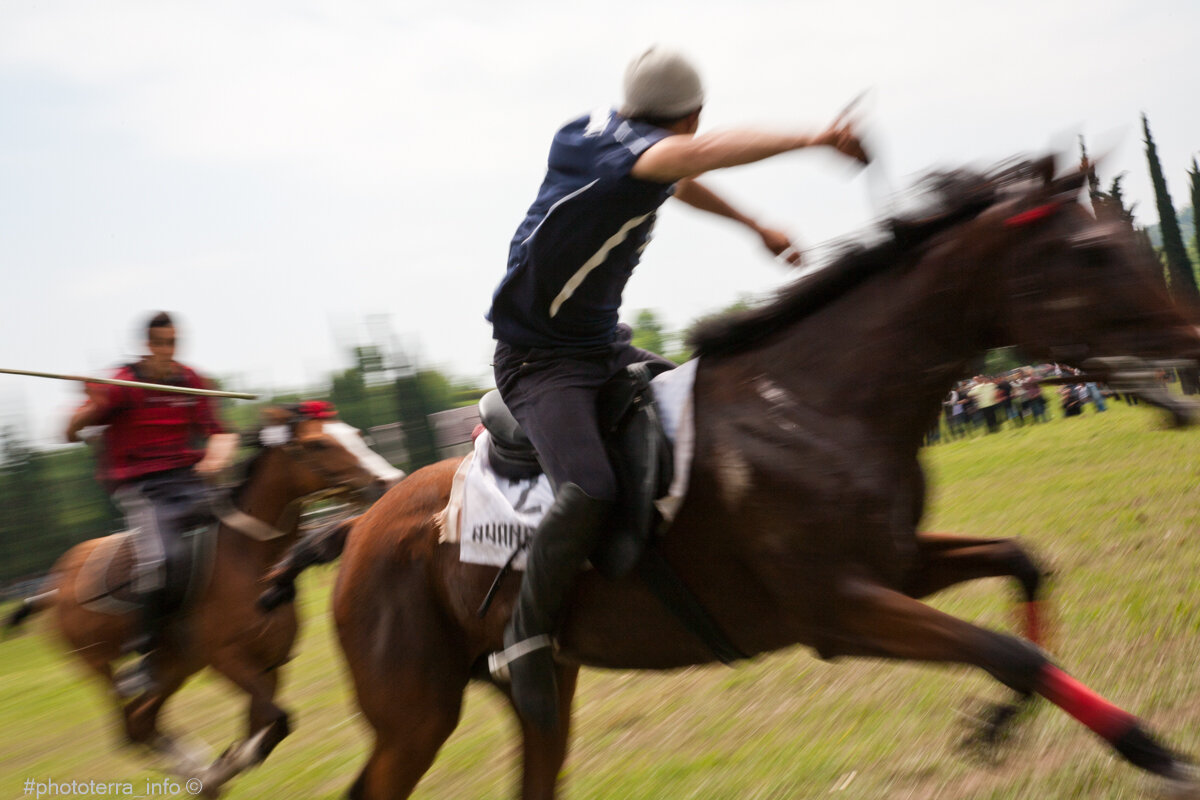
555 315
582 237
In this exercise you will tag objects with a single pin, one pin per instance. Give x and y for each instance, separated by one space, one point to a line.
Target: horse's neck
889 350
268 498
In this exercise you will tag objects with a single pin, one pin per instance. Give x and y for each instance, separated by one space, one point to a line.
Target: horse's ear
1069 184
276 415
307 429
1060 188
1044 168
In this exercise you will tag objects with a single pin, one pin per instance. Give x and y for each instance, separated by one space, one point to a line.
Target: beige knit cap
661 83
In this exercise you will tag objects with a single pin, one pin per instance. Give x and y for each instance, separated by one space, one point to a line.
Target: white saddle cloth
492 517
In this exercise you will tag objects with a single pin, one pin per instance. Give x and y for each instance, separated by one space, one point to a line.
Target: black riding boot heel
563 541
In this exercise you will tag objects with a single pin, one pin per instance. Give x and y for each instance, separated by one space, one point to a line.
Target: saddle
638 450
105 582
643 461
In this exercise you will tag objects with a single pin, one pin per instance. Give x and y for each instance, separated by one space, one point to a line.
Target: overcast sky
276 172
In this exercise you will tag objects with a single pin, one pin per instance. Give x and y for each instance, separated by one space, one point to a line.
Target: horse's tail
322 547
28 607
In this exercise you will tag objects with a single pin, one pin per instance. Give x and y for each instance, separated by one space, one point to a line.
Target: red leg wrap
1033 622
1099 715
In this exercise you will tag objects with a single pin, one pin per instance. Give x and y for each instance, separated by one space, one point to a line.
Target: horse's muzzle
1128 374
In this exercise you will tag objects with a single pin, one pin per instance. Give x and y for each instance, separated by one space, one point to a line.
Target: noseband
1033 215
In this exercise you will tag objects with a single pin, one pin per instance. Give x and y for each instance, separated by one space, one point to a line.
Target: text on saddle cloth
492 517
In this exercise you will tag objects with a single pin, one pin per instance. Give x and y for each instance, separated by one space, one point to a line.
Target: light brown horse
805 494
222 627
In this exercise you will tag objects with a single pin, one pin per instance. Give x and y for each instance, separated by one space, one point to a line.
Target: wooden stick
160 387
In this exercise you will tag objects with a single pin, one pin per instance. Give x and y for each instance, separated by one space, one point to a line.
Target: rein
259 530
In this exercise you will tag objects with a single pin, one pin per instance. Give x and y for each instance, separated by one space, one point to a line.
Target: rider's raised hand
780 244
841 136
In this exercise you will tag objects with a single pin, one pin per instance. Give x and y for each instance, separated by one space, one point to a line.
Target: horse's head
351 438
315 461
1083 290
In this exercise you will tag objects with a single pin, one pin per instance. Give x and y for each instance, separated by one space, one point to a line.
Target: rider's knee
598 486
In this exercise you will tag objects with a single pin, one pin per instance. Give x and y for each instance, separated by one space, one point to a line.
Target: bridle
1126 374
257 529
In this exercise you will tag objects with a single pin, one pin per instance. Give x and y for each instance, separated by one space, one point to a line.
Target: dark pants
158 509
552 393
1038 407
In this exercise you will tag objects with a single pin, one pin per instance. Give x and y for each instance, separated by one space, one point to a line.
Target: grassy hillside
1109 502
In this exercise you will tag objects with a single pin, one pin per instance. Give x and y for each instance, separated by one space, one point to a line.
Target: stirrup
498 662
135 679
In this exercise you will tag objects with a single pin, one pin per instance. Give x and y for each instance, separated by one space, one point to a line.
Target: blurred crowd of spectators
986 403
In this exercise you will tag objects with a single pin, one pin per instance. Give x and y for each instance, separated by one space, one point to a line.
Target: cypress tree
1194 174
1113 201
1117 198
1085 164
1183 280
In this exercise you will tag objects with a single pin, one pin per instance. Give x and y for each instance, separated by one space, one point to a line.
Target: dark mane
957 197
247 469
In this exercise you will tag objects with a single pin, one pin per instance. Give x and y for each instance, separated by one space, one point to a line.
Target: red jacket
150 431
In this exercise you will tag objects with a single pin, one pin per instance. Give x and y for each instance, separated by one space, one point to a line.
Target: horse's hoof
990 729
1184 783
237 758
182 758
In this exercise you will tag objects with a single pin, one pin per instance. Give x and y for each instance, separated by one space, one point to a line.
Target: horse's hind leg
544 752
875 621
141 727
944 560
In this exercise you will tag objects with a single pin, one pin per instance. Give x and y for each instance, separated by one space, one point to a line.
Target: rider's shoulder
191 377
605 125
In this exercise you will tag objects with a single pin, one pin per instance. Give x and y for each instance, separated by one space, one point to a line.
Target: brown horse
800 522
221 626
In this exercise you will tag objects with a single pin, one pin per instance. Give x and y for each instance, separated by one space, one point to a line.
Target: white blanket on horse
492 517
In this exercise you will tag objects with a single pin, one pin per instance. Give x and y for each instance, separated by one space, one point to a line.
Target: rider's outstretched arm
698 196
686 155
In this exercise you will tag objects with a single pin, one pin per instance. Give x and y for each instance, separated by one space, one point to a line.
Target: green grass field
1109 502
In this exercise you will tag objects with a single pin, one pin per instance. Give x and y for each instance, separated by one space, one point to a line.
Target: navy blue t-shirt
572 256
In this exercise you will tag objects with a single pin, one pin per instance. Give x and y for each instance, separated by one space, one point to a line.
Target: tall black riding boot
139 677
563 541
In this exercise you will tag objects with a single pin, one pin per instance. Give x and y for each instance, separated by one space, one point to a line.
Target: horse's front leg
268 723
945 559
878 622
